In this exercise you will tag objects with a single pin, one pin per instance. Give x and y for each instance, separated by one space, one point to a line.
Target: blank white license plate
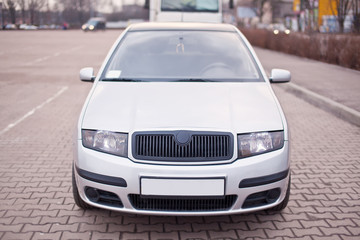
183 187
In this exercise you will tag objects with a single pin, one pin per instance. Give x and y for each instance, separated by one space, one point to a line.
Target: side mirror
280 76
87 74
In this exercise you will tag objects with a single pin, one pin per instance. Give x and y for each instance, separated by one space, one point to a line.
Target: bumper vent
182 146
182 205
103 197
262 198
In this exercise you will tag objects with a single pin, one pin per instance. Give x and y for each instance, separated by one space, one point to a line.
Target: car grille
182 146
182 205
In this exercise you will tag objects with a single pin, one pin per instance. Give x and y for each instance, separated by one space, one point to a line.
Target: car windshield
92 22
182 56
190 5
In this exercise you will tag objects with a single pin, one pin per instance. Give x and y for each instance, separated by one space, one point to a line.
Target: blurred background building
297 15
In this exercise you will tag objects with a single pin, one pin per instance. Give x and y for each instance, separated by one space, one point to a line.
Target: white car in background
182 120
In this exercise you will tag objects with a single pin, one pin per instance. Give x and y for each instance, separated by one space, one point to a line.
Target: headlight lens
105 141
256 143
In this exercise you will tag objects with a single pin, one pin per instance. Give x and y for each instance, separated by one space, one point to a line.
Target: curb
348 114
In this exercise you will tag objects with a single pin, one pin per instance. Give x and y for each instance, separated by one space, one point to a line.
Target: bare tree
356 15
11 7
259 6
75 11
22 4
34 8
342 8
312 17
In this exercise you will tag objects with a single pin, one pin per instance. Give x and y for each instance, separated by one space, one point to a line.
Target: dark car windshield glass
190 5
197 56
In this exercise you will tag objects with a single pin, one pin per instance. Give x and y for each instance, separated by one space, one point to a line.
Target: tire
285 202
78 201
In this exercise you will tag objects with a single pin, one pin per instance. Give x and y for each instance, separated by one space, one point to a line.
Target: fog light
92 194
273 195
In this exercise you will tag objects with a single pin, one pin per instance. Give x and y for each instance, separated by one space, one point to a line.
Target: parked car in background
94 24
28 27
277 28
182 120
10 26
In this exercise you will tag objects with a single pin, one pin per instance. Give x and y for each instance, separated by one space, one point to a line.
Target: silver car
182 120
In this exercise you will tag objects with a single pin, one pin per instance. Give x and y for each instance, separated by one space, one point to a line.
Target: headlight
105 141
257 143
91 27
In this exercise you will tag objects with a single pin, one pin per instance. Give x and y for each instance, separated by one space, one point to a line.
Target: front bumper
122 177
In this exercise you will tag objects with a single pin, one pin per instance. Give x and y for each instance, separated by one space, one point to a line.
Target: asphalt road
40 100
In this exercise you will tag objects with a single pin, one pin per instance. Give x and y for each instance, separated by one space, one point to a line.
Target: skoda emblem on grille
183 137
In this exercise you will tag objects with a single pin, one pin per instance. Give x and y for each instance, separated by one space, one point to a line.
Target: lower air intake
182 205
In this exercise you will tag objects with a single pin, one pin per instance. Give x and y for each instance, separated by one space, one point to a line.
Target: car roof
154 26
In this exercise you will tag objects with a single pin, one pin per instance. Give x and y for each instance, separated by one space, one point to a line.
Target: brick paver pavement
35 182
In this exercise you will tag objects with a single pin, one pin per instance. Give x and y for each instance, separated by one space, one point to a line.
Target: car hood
150 106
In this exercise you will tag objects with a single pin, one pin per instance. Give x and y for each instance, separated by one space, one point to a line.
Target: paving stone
114 220
32 220
46 236
217 219
76 236
193 235
17 213
149 227
307 232
163 219
121 228
230 234
261 225
177 227
75 219
65 227
107 236
197 227
17 236
334 231
135 236
258 234
234 226
11 228
136 219
36 228
58 220
285 225
287 233
164 235
315 223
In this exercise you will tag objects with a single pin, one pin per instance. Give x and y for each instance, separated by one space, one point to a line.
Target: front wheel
285 202
78 201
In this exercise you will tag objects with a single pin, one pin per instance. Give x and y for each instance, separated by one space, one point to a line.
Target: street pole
1 17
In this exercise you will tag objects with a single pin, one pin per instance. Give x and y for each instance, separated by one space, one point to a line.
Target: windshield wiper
194 80
121 80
